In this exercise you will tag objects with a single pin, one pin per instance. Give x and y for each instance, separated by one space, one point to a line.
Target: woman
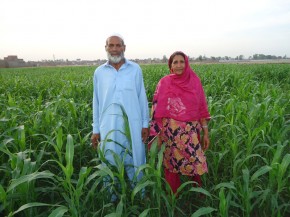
179 113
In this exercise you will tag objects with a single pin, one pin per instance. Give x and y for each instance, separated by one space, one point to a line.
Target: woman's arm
205 136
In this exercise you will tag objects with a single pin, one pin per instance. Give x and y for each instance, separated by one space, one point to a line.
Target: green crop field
48 168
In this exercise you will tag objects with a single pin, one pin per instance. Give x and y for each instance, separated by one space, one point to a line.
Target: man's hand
145 134
95 139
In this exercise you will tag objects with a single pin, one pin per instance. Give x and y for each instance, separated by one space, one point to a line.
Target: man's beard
115 59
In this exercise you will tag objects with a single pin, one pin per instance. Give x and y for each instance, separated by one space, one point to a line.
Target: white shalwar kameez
114 90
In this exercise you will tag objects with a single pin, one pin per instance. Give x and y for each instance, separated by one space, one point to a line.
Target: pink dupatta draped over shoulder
180 97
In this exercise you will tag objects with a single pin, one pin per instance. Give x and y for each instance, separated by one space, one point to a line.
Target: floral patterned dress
183 152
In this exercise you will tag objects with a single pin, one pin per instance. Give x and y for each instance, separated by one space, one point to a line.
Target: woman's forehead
178 57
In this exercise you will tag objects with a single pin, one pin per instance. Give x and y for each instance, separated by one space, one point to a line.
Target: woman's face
178 64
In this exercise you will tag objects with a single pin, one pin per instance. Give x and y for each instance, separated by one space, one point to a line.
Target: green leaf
113 215
69 156
82 175
30 177
261 172
140 187
59 141
30 205
21 137
277 154
58 212
2 194
160 158
145 212
72 108
284 164
106 170
203 211
229 185
120 208
200 190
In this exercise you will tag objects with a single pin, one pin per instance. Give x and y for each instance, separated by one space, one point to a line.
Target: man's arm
95 138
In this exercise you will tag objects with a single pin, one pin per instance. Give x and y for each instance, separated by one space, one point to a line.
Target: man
119 89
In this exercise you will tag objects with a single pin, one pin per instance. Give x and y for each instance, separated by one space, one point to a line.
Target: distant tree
200 58
190 58
259 56
269 57
164 59
241 57
263 56
226 57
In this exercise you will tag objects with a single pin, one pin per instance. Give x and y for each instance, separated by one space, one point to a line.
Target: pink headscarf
180 97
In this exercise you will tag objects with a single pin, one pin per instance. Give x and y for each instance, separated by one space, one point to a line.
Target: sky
36 30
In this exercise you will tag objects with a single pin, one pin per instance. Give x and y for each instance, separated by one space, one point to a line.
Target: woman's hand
205 137
205 142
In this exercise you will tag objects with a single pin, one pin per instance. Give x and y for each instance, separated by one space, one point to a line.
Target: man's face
115 49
